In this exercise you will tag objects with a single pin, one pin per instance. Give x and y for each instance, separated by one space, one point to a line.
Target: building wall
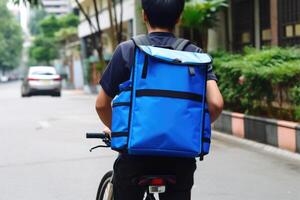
131 24
57 7
258 23
84 28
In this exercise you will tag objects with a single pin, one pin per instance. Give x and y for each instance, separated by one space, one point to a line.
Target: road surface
44 156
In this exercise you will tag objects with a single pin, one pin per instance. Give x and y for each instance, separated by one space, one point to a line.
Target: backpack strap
180 44
141 40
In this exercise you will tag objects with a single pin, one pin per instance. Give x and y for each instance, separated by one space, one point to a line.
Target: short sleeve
210 73
115 73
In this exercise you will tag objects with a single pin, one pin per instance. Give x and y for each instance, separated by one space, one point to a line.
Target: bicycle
153 184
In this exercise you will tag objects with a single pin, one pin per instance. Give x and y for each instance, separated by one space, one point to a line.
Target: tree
49 26
116 27
69 20
68 28
10 39
53 31
43 50
202 15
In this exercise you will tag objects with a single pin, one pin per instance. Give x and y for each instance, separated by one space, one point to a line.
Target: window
289 22
243 24
289 31
265 22
297 29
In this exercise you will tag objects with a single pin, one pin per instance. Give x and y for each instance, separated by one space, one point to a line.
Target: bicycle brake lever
98 147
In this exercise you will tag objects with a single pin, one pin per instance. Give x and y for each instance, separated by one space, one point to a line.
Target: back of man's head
163 13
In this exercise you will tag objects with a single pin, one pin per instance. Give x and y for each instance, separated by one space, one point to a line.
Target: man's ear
144 16
178 21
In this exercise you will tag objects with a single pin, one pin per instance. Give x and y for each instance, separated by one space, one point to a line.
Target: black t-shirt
118 69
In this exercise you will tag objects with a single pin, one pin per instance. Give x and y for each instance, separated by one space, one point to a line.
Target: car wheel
25 95
57 94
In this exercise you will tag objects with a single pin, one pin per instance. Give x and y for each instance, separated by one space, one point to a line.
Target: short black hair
163 13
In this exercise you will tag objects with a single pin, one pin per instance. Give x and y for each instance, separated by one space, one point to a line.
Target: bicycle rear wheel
105 191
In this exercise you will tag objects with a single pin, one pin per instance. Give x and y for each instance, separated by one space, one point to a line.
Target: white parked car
3 79
41 80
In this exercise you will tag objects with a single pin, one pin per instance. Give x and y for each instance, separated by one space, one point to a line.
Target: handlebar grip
96 135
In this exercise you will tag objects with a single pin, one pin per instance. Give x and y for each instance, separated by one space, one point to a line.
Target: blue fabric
164 126
119 143
120 119
118 69
171 55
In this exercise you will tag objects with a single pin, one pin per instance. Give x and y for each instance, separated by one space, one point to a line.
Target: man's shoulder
193 48
128 44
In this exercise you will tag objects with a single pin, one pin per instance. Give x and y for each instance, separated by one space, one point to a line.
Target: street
45 156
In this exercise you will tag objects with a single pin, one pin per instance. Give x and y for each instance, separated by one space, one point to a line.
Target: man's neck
152 30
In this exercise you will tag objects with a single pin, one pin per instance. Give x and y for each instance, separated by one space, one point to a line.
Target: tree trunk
204 39
112 28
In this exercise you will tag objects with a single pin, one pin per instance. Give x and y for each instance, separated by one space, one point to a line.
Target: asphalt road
44 156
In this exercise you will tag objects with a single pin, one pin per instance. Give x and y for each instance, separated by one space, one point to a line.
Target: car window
42 71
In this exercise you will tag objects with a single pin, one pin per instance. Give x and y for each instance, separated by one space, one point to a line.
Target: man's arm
103 108
214 100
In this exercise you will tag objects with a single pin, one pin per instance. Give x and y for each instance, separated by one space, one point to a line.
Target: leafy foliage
295 95
260 82
43 50
10 39
49 26
68 28
53 30
202 14
69 20
65 33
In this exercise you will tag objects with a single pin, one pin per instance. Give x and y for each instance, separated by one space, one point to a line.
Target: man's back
160 17
127 167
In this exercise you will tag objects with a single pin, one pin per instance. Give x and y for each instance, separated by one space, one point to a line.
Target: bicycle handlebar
96 135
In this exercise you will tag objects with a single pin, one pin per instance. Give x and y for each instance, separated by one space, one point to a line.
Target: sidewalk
255 145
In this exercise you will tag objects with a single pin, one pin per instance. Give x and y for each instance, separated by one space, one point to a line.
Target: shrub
262 82
295 95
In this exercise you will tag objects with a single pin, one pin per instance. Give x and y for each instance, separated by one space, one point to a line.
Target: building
257 23
57 7
85 32
131 25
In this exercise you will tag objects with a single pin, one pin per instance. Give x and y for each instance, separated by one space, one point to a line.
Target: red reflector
157 181
57 79
32 79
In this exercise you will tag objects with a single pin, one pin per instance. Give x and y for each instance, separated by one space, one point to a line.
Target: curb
264 147
278 133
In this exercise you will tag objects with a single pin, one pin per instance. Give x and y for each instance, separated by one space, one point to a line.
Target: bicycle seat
156 180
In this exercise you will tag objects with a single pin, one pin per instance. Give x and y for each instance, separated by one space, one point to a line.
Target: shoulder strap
180 44
141 40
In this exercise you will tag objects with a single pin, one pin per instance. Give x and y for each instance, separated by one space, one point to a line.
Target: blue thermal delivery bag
161 110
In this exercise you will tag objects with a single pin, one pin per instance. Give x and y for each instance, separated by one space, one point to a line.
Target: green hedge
265 82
